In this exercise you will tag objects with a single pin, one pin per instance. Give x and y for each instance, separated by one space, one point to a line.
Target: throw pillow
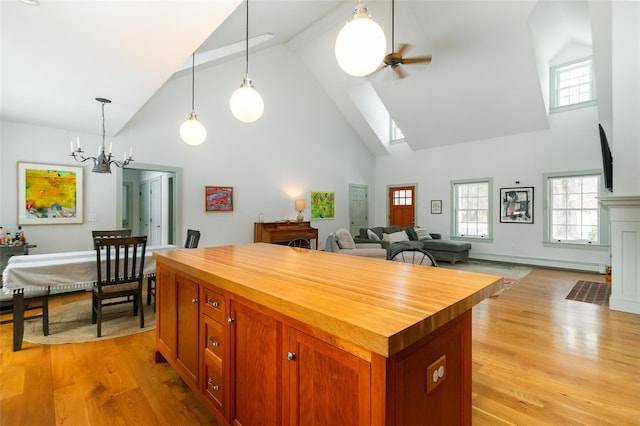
344 239
372 235
395 237
423 234
411 232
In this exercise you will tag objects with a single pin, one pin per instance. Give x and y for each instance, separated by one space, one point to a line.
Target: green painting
322 205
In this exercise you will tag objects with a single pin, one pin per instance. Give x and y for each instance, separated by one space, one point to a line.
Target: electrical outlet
436 373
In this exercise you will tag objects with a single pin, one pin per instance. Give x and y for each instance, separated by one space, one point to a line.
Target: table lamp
301 204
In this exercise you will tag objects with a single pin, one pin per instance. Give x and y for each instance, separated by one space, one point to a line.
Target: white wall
300 144
571 144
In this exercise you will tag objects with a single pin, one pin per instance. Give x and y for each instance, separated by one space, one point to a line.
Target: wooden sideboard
264 334
282 232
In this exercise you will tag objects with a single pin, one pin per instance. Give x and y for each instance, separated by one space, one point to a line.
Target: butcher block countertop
381 305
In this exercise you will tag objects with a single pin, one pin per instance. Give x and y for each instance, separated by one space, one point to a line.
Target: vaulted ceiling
487 78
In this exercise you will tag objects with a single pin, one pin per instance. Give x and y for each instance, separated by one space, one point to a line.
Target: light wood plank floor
537 359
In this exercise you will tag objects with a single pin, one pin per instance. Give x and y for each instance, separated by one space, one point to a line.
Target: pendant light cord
246 45
393 20
193 84
103 128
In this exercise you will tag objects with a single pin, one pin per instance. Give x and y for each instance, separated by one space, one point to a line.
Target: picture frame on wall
50 194
322 205
436 206
218 198
516 205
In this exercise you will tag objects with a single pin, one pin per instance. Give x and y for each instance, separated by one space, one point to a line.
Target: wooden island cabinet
276 335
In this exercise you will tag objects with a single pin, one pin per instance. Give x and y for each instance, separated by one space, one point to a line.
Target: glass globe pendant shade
361 45
192 131
246 103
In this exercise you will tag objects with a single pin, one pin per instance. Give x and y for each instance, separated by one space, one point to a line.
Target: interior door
155 212
144 208
358 208
402 205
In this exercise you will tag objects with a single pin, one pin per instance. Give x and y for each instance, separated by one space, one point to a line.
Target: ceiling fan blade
403 47
417 60
399 72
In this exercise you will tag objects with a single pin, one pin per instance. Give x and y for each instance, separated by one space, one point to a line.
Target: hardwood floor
537 359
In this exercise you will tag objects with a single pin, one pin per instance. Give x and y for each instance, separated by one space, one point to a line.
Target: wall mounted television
607 160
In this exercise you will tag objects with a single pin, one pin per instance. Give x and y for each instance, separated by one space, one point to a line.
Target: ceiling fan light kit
361 44
192 131
246 104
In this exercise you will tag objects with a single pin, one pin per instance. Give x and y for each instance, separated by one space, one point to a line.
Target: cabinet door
187 339
327 386
165 312
256 367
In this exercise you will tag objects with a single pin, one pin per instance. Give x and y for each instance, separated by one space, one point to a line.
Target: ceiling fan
395 58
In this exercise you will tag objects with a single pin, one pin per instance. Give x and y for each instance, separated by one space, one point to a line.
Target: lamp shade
192 131
246 103
360 46
301 204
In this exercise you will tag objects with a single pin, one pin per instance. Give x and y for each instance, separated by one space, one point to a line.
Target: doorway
148 199
401 204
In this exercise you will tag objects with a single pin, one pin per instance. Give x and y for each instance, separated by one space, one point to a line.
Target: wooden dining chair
414 255
300 242
120 263
193 237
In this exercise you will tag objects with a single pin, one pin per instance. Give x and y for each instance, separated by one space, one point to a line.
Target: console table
284 231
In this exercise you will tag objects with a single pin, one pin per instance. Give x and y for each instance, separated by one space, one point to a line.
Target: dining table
64 271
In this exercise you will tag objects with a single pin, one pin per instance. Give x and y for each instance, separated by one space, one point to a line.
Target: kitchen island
269 334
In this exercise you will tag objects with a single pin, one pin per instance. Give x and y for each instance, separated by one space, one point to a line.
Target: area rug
511 272
71 323
590 292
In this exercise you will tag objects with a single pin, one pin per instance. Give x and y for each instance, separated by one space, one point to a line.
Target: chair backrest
193 237
111 233
414 255
300 242
120 260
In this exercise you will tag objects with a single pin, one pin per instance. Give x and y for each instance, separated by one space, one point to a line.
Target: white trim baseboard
549 263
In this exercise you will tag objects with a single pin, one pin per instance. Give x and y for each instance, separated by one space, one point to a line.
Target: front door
402 205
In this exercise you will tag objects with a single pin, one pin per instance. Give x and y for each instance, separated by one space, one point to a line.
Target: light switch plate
436 373
92 217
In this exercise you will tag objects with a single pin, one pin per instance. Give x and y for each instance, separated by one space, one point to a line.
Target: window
402 197
472 208
574 214
572 85
396 134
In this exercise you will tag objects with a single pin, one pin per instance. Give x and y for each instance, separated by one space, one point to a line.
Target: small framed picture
218 198
436 206
516 205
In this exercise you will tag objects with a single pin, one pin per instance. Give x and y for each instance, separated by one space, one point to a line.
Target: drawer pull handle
230 320
194 300
212 386
212 303
291 356
213 342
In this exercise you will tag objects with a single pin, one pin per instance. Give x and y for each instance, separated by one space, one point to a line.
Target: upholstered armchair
341 241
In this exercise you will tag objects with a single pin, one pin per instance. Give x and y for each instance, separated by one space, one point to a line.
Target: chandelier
102 163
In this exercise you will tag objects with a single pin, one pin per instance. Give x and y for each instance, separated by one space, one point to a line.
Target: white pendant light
192 131
361 44
246 103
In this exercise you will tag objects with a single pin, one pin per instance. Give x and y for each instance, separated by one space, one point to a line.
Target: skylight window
572 85
396 134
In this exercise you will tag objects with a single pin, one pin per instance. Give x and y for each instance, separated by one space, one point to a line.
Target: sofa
342 242
394 238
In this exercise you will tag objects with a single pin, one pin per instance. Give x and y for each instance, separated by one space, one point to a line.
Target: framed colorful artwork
218 198
50 194
322 205
516 205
